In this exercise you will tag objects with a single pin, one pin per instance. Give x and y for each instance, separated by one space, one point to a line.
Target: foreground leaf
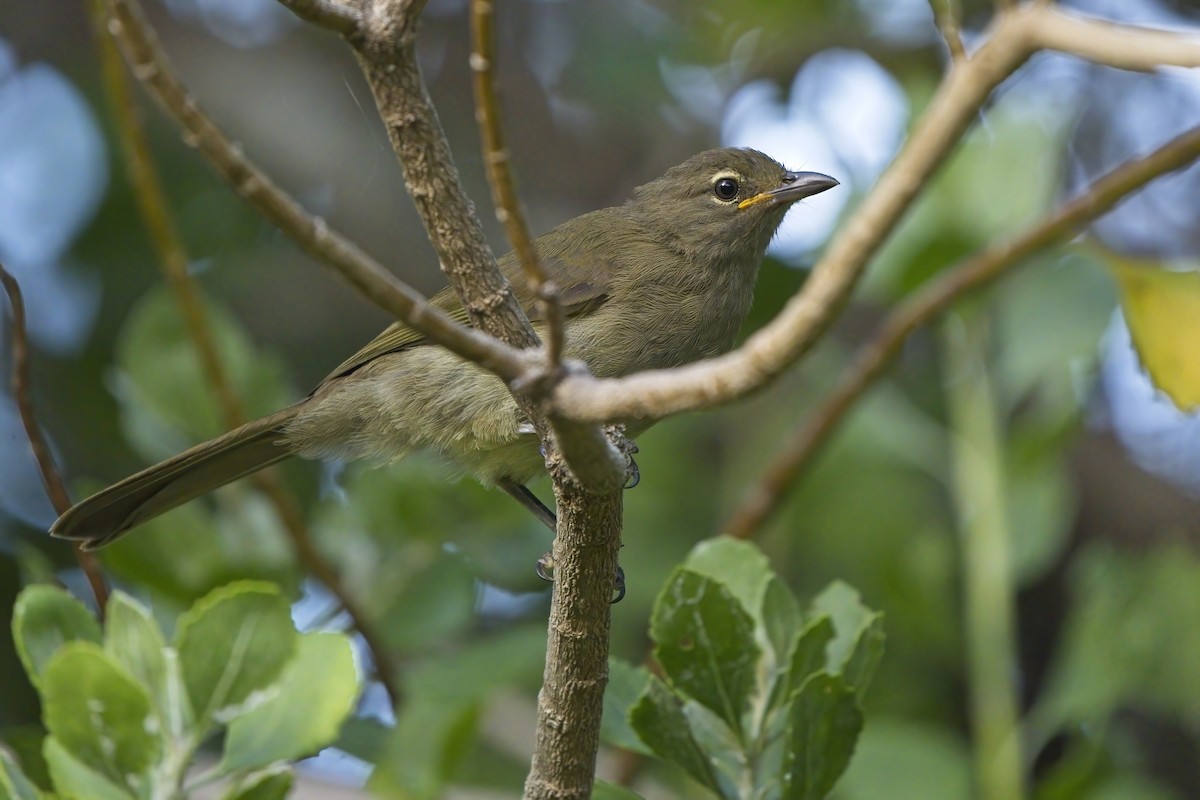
660 722
705 642
100 714
266 785
233 644
132 639
44 619
74 780
823 725
317 692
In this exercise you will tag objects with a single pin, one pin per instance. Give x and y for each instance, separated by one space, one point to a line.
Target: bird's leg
545 565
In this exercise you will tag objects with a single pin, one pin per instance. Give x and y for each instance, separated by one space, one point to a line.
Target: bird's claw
544 567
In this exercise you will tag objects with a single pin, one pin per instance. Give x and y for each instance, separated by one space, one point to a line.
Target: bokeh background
1100 469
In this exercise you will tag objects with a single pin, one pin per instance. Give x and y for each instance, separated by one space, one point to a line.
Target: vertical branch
55 488
989 603
497 158
173 260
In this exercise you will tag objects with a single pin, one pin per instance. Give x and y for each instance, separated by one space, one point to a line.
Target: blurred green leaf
1040 510
232 645
191 550
14 785
851 620
437 603
659 720
1124 639
704 640
317 692
162 380
99 713
132 639
823 725
24 743
436 726
75 780
626 683
44 619
903 760
273 784
603 790
363 738
780 618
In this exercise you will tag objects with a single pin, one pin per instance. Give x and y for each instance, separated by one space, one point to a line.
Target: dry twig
55 488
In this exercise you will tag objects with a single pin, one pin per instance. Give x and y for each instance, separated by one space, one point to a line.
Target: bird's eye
725 188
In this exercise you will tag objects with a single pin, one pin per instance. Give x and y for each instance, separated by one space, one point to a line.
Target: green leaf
903 760
317 692
273 784
808 653
860 666
842 603
823 725
737 565
436 727
133 640
24 744
704 641
14 784
233 644
603 790
98 712
364 738
781 618
163 383
626 683
659 720
44 619
75 780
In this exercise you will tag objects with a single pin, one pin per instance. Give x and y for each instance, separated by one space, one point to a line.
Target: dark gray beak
798 185
795 186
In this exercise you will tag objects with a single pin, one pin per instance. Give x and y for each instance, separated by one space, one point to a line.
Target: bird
665 279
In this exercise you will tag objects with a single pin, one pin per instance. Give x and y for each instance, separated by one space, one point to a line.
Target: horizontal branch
312 233
1113 44
328 14
766 495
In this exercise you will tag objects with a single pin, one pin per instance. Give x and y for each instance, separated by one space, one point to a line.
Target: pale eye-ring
725 188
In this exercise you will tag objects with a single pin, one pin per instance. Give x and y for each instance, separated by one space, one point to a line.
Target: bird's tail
108 514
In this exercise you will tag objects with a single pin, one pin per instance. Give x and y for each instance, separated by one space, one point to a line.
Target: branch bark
764 498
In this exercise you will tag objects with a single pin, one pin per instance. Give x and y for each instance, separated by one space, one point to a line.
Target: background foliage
599 99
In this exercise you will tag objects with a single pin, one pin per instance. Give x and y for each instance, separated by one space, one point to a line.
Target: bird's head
725 203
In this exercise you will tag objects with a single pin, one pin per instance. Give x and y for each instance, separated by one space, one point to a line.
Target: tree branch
173 259
793 332
56 490
946 15
1016 33
589 493
496 157
313 234
764 498
1113 44
328 14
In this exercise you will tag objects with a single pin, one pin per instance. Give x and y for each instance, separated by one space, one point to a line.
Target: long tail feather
108 514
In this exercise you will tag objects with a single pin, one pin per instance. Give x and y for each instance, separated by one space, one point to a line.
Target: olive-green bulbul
663 280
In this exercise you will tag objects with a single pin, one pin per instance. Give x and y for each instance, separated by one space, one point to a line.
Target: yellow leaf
1162 310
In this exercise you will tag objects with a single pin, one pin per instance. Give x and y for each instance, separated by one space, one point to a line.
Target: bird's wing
583 284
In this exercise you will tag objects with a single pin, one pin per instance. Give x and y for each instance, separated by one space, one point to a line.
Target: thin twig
497 158
946 16
767 494
151 66
55 488
332 16
173 259
1014 36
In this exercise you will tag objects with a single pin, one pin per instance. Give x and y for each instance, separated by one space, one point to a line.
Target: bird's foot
545 570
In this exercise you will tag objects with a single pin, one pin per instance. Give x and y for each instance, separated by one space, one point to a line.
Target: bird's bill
795 186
